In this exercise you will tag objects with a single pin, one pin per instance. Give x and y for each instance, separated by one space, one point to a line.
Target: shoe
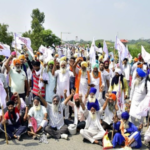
48 135
64 136
34 137
100 143
18 137
85 140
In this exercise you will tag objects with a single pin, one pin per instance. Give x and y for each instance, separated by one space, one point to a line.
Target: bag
106 142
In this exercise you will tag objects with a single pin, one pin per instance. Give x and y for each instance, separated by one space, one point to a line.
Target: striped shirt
35 85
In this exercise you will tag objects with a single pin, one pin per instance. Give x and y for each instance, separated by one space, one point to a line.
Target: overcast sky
101 19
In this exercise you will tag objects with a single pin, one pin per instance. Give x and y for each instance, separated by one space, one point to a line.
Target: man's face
101 67
10 108
50 66
16 100
63 66
55 101
106 65
93 110
83 68
57 65
22 61
95 70
36 102
92 95
125 62
36 68
72 61
124 120
18 66
111 101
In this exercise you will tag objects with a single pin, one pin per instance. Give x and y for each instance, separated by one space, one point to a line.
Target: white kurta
137 95
126 70
50 87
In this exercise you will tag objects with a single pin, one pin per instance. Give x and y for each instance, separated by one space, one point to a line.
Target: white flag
2 95
105 49
92 54
145 54
128 54
5 50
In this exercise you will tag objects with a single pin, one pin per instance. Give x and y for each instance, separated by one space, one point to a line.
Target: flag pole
5 126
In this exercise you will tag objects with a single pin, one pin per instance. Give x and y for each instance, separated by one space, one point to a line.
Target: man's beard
101 69
93 116
111 106
55 108
95 73
18 69
126 125
37 108
84 73
90 99
77 104
106 67
63 70
137 81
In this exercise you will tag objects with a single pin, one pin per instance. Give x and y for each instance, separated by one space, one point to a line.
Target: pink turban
76 96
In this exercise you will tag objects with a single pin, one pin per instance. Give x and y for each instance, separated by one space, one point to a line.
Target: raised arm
81 103
54 67
69 97
7 63
42 99
106 102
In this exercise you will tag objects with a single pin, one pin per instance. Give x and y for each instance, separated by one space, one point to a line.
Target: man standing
18 78
138 93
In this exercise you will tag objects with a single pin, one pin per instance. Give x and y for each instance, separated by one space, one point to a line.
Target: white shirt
93 125
106 77
126 70
56 119
38 115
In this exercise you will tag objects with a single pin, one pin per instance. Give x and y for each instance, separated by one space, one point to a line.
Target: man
22 60
115 83
39 113
18 78
106 66
56 127
138 93
63 81
13 127
110 107
135 61
80 111
82 79
96 79
93 130
106 78
129 134
50 87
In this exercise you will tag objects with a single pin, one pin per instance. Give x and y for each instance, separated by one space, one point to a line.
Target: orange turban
16 61
35 56
140 66
112 96
56 55
21 57
38 53
135 59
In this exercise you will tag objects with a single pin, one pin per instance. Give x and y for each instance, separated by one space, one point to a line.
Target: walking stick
5 126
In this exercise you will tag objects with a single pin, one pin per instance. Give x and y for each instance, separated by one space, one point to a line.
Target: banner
105 50
5 50
145 54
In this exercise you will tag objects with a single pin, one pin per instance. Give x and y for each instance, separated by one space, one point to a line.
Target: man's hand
55 90
140 127
39 94
72 91
25 117
41 79
65 91
16 94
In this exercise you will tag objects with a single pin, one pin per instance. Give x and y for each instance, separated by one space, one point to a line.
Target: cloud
120 5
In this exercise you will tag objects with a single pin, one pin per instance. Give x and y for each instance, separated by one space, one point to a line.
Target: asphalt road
27 143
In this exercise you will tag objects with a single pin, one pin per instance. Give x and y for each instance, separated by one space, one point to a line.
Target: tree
38 35
5 36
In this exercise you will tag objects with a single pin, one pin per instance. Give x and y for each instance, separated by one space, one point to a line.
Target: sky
86 19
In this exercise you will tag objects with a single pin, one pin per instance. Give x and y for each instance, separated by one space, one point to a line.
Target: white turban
118 70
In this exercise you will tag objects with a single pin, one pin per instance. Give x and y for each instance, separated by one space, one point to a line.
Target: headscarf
136 59
95 105
140 72
95 66
21 57
118 70
112 96
51 62
63 58
16 61
76 96
84 64
13 53
37 98
125 115
140 65
10 103
56 55
93 90
36 63
38 53
106 61
57 97
100 57
13 97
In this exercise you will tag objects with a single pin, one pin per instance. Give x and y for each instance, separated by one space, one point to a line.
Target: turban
13 97
84 64
112 96
79 58
35 56
14 53
93 90
95 66
140 65
125 115
38 53
62 62
56 55
140 72
75 55
112 59
57 97
140 57
63 58
51 62
16 61
106 61
36 98
118 70
21 57
135 59
36 63
76 96
94 105
10 103
100 57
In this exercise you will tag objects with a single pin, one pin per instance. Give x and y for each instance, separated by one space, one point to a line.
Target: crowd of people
49 97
